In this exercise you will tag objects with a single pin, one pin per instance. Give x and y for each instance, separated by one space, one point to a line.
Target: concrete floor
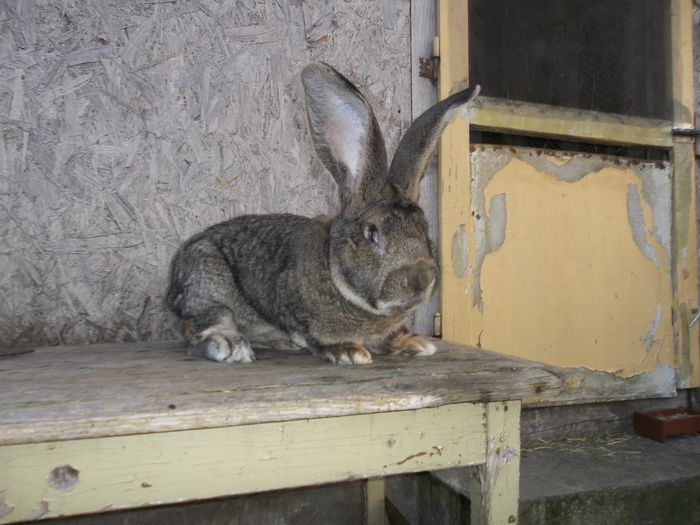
572 466
611 480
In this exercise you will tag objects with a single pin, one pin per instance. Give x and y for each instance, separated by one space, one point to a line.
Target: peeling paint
649 338
656 190
460 251
41 510
496 223
490 233
487 161
572 257
5 509
493 466
635 216
486 166
564 166
601 385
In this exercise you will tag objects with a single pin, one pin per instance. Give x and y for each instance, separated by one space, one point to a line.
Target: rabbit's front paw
226 347
407 343
346 354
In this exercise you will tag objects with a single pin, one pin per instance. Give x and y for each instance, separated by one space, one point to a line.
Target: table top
70 392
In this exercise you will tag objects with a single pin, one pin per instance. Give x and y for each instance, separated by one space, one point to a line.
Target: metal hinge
429 67
685 132
695 318
437 325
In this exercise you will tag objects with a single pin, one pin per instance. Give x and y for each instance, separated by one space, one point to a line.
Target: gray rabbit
341 287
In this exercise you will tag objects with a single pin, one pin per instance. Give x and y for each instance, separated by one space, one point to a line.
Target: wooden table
94 428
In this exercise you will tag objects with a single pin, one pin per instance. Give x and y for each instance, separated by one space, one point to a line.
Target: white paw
229 349
242 352
425 348
413 345
352 356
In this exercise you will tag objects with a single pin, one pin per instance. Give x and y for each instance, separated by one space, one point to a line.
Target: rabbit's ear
417 145
345 133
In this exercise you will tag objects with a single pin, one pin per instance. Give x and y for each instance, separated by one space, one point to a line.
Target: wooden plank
682 63
456 242
685 242
685 263
423 96
540 119
582 385
92 475
101 390
495 485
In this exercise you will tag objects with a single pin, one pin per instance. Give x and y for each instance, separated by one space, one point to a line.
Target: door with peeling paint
576 247
572 258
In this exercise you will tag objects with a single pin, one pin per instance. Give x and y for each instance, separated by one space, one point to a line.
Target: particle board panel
127 126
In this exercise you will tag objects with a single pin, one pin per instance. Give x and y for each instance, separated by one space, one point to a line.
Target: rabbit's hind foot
405 343
225 345
345 354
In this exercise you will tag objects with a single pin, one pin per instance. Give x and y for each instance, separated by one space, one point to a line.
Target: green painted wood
93 428
375 501
495 486
41 480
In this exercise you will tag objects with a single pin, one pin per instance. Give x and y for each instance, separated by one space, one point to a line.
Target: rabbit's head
380 255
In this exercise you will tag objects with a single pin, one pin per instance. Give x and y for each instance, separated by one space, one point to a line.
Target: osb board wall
127 126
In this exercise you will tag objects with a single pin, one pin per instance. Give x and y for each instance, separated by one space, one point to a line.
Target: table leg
374 501
495 484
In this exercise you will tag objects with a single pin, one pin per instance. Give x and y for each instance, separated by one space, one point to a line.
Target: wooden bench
93 428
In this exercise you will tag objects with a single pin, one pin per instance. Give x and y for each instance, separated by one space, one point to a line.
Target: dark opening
602 55
507 139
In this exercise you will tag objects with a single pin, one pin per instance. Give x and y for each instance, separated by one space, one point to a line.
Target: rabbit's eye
372 233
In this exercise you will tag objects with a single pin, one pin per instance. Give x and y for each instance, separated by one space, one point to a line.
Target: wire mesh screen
602 55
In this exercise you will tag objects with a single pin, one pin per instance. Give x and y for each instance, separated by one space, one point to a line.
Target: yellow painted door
582 261
572 258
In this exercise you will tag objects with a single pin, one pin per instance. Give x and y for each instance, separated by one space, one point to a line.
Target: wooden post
495 485
685 278
456 240
374 501
423 96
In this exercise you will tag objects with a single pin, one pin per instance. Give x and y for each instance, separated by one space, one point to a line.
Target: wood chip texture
127 126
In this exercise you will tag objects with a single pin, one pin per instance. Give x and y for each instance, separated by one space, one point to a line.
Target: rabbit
342 286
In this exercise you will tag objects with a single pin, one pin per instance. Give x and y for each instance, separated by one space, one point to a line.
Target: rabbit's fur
342 286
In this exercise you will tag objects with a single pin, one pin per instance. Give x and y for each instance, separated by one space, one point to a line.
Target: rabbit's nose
421 276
